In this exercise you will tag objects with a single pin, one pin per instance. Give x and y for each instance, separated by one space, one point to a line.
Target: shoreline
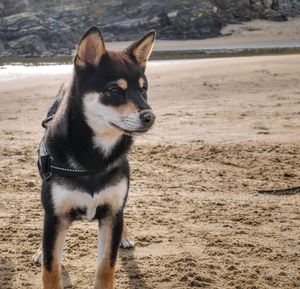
183 54
29 71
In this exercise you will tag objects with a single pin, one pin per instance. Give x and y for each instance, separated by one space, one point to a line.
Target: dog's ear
90 49
141 49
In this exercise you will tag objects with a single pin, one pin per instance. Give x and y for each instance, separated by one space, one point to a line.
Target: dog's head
113 86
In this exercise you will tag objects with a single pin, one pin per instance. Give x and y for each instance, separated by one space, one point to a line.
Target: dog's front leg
109 237
53 240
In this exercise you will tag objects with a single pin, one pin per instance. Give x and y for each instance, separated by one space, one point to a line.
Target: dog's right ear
90 49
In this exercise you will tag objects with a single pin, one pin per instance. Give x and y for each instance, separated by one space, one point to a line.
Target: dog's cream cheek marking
97 116
65 199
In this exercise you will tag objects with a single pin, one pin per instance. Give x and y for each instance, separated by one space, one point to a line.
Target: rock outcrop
40 28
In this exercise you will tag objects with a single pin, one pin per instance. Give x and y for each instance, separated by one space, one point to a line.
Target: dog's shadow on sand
135 276
66 278
128 262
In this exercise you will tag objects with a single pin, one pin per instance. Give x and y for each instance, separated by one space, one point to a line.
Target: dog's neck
71 140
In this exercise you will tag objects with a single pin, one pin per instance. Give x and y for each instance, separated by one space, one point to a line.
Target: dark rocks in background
196 22
2 48
30 34
131 26
19 25
273 15
28 46
270 10
9 7
289 7
33 28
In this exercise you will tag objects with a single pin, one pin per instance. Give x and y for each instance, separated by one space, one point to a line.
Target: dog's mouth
130 132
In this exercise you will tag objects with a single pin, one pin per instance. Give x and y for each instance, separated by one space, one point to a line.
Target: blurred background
45 28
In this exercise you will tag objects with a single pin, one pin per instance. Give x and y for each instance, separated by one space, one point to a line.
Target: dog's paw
126 243
37 258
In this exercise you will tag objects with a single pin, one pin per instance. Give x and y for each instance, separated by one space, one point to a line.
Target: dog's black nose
147 117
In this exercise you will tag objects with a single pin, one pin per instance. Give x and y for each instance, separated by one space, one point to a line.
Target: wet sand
225 129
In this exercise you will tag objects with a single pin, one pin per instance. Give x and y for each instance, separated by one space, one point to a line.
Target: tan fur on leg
105 271
52 279
105 276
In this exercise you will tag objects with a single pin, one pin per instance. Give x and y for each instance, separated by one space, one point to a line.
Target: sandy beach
225 129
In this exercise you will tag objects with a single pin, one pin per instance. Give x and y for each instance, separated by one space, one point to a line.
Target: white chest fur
65 199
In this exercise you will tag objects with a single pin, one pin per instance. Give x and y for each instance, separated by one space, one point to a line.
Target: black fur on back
58 98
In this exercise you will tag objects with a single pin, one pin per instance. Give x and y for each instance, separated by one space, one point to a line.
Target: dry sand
225 128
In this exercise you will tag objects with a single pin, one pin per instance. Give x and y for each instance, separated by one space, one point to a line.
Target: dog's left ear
90 49
141 49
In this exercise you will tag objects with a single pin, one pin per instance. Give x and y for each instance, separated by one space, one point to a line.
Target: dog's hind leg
126 241
53 240
109 237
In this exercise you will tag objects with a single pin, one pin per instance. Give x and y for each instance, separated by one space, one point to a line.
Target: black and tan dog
83 155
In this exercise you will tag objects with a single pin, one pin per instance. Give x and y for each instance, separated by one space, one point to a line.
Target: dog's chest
64 199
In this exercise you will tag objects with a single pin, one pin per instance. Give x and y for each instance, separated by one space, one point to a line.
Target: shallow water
19 68
21 71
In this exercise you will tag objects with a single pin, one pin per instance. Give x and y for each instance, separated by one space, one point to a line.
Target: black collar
48 165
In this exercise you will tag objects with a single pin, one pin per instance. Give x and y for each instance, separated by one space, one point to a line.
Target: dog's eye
115 89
